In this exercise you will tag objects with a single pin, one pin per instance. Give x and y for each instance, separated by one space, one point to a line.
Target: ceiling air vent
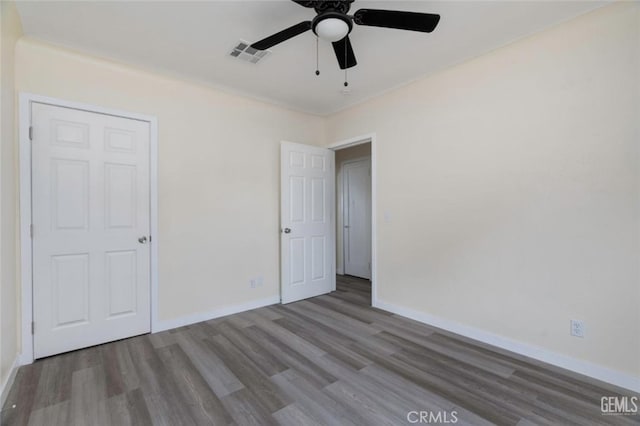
247 53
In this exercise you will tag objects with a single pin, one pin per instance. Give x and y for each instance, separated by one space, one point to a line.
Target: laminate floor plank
495 392
201 330
117 410
247 410
54 384
364 309
316 403
393 404
115 375
202 402
218 376
368 408
333 343
137 407
162 339
88 397
266 312
164 401
351 329
362 314
53 415
266 361
290 339
406 341
291 415
239 320
515 398
248 373
349 298
309 370
456 394
328 360
565 378
128 376
20 401
419 396
355 328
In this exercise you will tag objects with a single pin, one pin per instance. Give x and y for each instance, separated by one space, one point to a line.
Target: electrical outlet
256 282
577 328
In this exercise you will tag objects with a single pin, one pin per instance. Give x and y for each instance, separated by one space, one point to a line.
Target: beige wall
218 173
342 155
512 185
10 31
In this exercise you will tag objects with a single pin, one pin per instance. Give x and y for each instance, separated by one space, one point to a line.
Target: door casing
26 280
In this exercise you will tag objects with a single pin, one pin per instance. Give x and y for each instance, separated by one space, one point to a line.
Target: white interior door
91 251
307 212
357 218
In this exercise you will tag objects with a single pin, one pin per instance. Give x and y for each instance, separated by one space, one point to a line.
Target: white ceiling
193 40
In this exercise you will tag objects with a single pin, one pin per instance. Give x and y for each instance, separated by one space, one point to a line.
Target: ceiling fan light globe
332 29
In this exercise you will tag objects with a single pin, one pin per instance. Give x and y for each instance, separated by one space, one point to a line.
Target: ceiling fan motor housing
325 5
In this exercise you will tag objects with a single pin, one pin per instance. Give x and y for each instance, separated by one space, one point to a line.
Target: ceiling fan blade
344 53
281 36
306 3
424 22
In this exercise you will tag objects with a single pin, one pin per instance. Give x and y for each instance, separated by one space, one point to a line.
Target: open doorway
354 221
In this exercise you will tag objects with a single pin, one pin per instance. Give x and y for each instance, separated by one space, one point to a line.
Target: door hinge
149 238
33 327
31 230
369 266
30 133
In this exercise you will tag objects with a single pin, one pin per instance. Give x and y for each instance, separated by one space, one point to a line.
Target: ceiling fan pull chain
317 58
346 82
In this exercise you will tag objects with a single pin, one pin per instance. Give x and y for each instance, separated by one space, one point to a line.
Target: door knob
287 230
142 240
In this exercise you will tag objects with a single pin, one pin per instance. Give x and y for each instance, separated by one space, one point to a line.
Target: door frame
359 140
25 194
343 208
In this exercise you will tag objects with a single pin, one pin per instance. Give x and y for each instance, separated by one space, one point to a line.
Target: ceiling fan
333 24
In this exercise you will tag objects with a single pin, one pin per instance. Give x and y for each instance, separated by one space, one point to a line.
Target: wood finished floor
330 360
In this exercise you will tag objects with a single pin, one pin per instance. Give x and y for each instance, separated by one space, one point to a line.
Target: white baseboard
340 271
5 387
162 325
595 371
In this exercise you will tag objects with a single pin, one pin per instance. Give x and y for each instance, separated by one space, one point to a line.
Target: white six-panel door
90 207
357 218
307 195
